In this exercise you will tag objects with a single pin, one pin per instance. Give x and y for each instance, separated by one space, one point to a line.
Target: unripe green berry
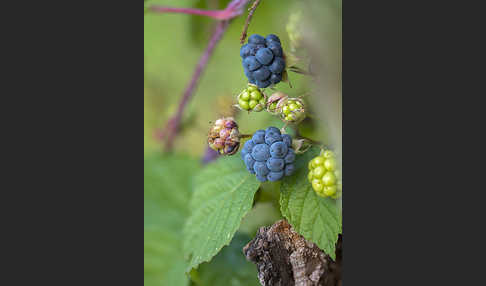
286 110
317 185
273 106
328 154
252 88
255 95
292 110
275 102
330 164
252 99
318 172
244 104
310 176
292 106
330 190
318 161
329 179
258 108
245 96
324 175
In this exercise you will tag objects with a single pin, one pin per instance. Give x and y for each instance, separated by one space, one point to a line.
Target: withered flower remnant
224 136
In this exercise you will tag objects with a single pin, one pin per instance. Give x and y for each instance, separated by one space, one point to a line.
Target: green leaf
317 219
223 194
166 195
229 266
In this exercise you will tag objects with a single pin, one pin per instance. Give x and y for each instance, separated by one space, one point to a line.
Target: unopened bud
275 102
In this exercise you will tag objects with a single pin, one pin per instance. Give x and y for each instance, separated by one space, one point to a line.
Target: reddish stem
215 14
248 20
233 9
174 122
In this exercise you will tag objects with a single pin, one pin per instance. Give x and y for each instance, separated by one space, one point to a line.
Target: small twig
248 19
174 122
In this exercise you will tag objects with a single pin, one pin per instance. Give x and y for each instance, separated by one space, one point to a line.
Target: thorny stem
174 122
248 19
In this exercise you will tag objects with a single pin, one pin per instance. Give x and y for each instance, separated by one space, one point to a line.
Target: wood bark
284 257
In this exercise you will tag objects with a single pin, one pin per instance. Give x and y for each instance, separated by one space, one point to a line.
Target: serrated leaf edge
228 240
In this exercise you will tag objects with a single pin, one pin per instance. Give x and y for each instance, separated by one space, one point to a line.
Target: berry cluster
252 99
324 176
269 155
263 60
224 136
289 109
293 110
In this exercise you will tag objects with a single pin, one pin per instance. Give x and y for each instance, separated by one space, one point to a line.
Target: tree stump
284 257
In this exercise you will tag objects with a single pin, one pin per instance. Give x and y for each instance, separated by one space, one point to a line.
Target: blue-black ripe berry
269 155
256 39
250 63
263 60
273 37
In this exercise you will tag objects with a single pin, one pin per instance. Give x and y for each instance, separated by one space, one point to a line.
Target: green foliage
166 192
229 267
317 219
223 194
262 214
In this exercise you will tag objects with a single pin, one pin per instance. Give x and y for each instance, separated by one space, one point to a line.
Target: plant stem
215 14
248 19
173 124
233 9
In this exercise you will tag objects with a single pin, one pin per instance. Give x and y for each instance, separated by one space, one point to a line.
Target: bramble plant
299 175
